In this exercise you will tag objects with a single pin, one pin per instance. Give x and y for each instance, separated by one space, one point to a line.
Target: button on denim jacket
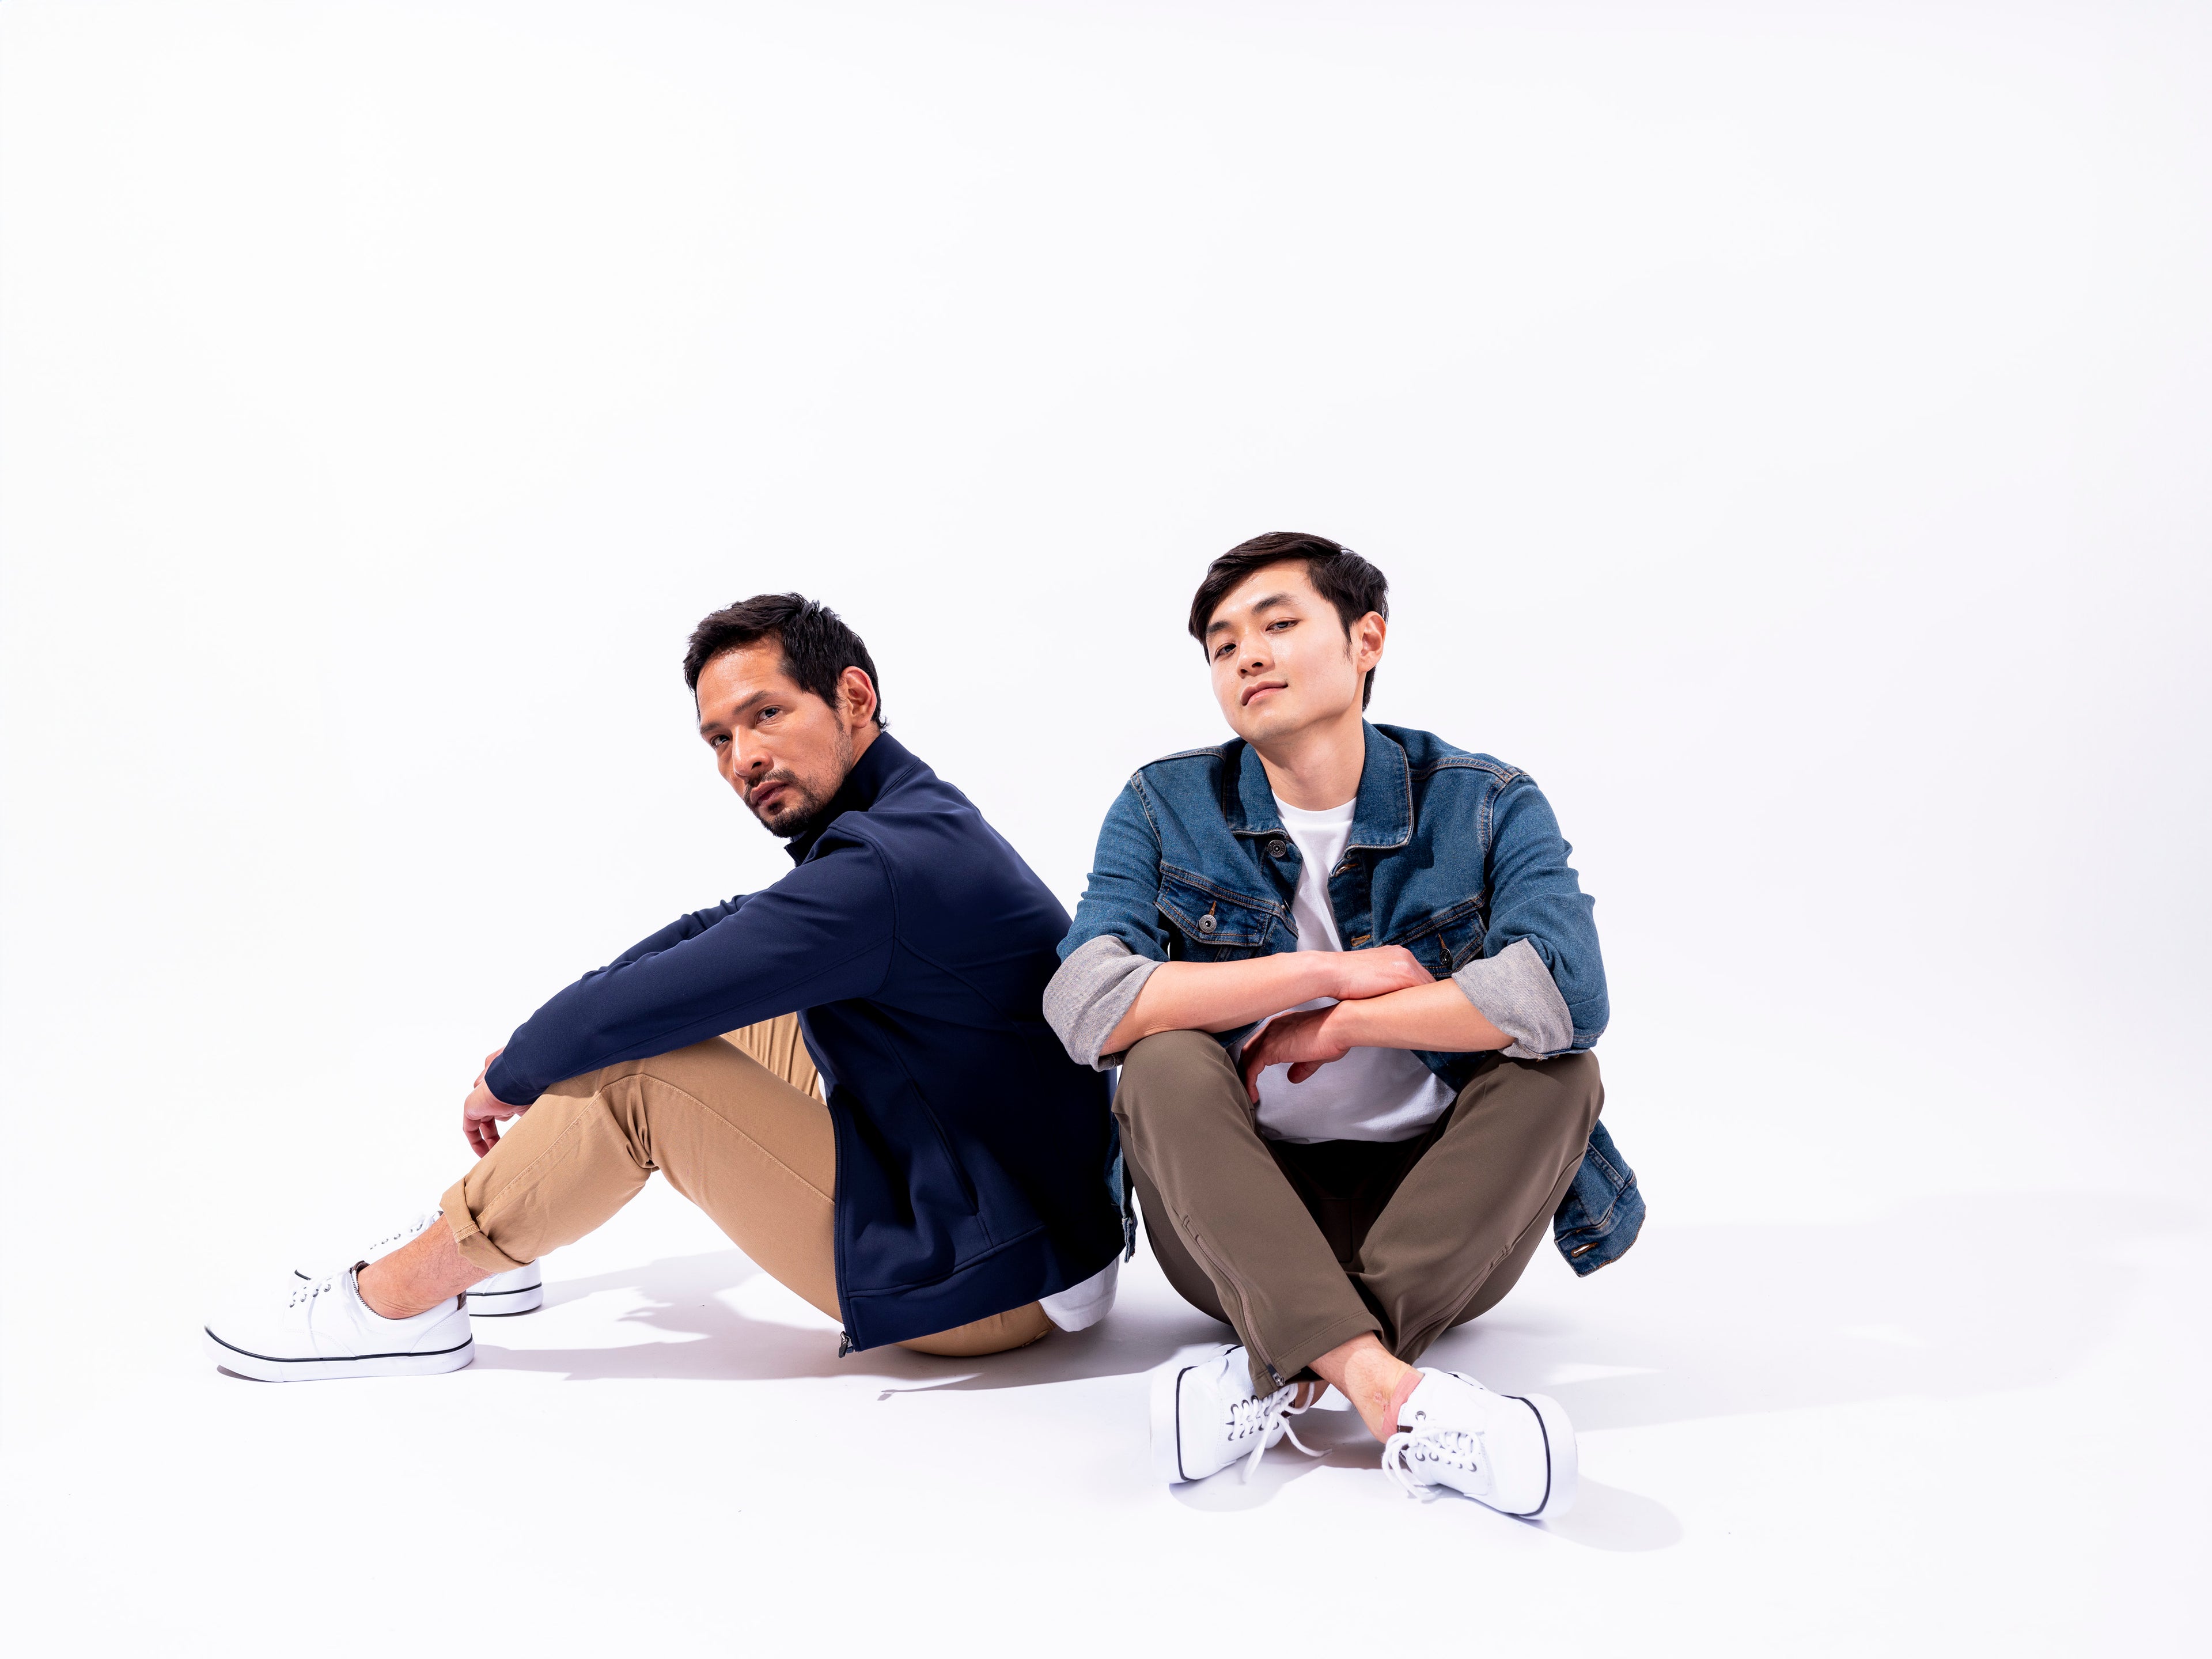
1455 856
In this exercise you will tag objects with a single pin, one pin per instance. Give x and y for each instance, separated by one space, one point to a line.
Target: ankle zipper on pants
1244 1300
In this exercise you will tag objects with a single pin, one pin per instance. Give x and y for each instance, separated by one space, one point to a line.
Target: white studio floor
1784 428
1964 1425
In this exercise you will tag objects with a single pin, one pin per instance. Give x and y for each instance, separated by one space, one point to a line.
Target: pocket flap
1207 914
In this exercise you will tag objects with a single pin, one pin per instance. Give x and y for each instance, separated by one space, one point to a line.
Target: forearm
1219 996
684 928
1436 1018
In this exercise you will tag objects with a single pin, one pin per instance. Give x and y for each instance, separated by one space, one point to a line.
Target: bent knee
1570 1084
1165 1064
1167 1050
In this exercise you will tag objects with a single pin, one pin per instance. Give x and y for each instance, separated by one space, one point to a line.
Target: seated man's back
953 1195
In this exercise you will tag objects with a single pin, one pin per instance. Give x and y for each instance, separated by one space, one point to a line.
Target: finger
1304 1069
1253 1065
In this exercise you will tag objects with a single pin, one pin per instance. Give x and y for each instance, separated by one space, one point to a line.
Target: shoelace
1263 1416
313 1288
392 1240
1461 1448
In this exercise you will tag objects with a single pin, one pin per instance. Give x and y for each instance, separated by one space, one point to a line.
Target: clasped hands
1311 1037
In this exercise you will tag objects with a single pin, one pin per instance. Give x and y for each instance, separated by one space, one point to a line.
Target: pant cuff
476 1250
1293 1357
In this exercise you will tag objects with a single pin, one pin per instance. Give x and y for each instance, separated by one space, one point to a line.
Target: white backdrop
1785 432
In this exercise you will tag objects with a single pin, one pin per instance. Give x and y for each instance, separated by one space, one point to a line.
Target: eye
770 712
1224 650
1287 622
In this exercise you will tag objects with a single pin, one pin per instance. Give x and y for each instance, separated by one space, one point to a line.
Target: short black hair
817 645
1338 575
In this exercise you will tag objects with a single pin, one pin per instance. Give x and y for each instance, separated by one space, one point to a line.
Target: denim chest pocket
1213 925
1446 940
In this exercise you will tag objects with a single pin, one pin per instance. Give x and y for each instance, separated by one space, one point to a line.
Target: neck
869 732
1318 767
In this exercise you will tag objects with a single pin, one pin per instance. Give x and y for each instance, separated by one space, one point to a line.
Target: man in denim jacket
1353 984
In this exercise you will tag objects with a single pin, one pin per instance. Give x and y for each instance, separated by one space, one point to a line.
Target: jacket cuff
1094 989
1515 992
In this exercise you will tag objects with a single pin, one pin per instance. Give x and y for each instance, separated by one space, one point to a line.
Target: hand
1307 1040
1375 973
481 1115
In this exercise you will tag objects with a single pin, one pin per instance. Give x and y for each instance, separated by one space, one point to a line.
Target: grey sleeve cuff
1095 986
1514 991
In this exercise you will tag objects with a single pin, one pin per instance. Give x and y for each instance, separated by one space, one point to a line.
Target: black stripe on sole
473 1296
1180 1375
1525 1515
341 1359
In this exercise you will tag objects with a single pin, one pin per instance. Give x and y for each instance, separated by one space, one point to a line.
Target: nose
747 761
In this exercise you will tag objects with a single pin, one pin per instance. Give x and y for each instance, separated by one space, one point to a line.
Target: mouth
765 796
1253 693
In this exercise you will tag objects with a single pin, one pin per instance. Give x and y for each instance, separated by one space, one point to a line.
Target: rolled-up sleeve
1541 978
1515 992
1117 940
1088 998
824 933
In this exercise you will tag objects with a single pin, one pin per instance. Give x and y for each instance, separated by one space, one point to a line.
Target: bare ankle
1407 1384
376 1294
426 1271
1372 1378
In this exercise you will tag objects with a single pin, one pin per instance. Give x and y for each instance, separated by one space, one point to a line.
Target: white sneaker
1514 1452
519 1291
1206 1416
326 1330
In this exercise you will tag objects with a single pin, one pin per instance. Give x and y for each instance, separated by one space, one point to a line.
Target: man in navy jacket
849 1071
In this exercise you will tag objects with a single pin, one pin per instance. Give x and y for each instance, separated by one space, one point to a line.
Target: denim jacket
1455 856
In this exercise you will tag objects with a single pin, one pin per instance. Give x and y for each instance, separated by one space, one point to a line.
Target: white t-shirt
1371 1094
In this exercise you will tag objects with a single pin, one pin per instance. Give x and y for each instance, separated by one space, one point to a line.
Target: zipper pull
844 1343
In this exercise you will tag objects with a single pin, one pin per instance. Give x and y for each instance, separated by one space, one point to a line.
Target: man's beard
815 811
814 818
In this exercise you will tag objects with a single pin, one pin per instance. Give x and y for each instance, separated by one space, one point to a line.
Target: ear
1367 637
856 697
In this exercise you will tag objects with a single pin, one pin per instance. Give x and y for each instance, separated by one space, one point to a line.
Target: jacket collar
1382 812
887 761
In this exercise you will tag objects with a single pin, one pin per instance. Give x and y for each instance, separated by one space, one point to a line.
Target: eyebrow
1264 602
739 712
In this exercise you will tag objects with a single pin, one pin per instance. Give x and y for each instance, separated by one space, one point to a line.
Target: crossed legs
1237 1222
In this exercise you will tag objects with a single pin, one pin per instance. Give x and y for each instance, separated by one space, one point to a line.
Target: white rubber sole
1559 1448
498 1303
264 1368
1167 1452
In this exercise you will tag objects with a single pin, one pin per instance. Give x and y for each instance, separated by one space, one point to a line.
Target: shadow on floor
685 1300
1948 1298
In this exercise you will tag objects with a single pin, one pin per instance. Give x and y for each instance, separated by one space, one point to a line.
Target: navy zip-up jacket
915 945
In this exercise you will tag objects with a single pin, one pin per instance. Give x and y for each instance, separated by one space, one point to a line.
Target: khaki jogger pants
737 1123
1303 1247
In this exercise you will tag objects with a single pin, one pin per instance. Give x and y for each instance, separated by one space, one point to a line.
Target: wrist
1347 1023
1326 976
